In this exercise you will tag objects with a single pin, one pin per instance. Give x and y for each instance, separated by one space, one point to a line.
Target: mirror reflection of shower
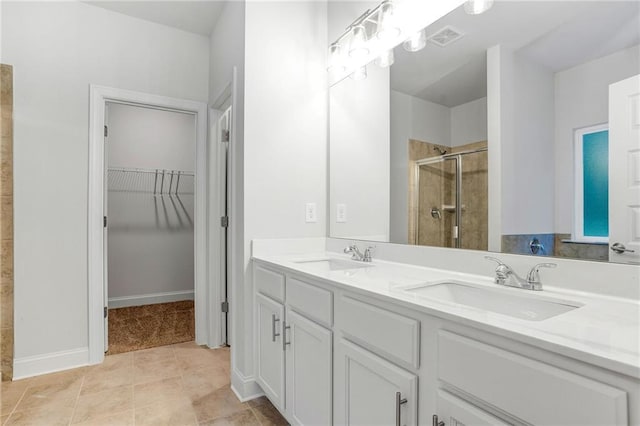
449 197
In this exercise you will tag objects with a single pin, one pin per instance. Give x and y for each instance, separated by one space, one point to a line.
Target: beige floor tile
219 403
198 384
241 418
158 391
177 412
100 380
113 363
50 415
97 405
49 393
67 376
154 371
10 396
266 413
159 354
125 418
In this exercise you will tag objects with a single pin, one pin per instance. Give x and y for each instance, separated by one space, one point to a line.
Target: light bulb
336 64
416 42
388 28
359 74
358 48
385 59
476 7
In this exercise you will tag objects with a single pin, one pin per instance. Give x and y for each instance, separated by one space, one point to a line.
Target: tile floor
182 384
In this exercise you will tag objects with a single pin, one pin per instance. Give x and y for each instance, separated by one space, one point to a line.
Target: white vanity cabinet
294 346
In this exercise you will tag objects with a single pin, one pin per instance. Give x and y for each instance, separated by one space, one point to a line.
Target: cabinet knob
435 421
399 401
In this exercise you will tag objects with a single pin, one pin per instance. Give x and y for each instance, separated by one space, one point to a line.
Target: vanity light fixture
336 64
385 59
476 7
387 28
416 42
358 48
359 73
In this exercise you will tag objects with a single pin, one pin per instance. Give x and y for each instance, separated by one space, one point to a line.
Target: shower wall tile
580 251
6 222
519 244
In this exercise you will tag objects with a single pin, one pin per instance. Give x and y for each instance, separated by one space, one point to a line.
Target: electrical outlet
341 213
311 215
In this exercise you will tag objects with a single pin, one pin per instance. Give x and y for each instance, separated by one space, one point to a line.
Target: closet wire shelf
156 181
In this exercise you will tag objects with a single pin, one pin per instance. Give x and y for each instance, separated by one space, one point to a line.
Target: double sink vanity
343 341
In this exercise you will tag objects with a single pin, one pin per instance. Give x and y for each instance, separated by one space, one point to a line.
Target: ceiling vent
445 36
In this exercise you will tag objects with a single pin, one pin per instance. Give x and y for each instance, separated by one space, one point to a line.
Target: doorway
149 232
98 234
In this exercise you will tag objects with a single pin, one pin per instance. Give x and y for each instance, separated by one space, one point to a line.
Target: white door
270 356
624 170
308 356
372 391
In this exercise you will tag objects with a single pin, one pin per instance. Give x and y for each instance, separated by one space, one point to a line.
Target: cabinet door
308 358
366 389
453 411
270 356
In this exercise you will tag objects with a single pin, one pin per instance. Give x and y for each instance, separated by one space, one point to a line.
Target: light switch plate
311 215
341 213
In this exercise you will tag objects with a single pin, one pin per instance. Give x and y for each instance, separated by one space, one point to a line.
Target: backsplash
556 245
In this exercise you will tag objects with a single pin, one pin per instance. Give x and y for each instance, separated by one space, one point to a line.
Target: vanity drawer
310 301
530 390
269 283
394 336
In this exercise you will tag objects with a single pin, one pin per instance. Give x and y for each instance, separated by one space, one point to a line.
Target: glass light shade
416 42
358 48
385 59
476 7
359 74
336 64
388 28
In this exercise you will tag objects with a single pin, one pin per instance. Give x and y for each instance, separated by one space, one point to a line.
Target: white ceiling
198 17
556 34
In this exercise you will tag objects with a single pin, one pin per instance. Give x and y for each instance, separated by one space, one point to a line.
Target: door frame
203 285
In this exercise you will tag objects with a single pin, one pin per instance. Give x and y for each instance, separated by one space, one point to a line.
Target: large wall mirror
514 131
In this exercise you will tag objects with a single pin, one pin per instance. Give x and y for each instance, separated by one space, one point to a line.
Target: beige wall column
6 222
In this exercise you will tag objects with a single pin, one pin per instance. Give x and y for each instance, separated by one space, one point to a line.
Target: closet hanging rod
152 171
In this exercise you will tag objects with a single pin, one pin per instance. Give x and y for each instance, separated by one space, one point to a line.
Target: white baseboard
149 299
49 363
244 387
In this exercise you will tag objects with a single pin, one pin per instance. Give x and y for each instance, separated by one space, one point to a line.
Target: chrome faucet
356 254
508 277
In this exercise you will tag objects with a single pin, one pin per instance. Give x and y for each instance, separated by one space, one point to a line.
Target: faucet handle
502 270
533 277
495 259
368 252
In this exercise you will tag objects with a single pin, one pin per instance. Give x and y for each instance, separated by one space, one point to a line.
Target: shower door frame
416 194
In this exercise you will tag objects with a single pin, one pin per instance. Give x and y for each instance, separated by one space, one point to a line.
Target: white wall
359 155
285 139
57 50
526 143
150 244
469 122
581 100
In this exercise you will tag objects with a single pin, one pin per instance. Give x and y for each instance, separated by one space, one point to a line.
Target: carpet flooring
141 327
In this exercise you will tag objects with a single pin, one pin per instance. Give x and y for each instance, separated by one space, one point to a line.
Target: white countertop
605 331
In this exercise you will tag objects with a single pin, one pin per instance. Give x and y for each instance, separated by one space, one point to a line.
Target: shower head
440 150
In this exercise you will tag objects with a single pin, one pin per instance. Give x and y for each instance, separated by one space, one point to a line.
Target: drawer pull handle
435 422
399 401
274 320
285 327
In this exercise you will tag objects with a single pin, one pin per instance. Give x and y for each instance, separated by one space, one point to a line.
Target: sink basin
526 306
333 264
